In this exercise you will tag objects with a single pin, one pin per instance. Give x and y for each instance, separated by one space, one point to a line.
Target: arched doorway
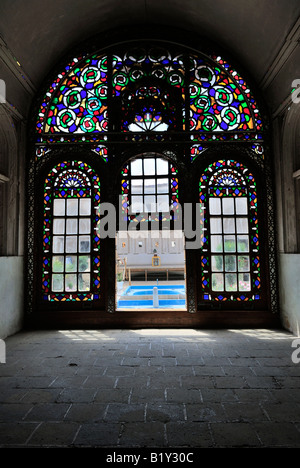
170 109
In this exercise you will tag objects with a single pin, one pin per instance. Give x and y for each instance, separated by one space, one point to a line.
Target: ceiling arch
38 33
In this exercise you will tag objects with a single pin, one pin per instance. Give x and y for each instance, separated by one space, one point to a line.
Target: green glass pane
71 263
83 263
244 282
57 264
57 283
217 263
230 263
243 263
229 244
71 282
231 282
217 281
84 282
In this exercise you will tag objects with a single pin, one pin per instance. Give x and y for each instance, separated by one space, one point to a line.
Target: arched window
230 259
141 113
71 245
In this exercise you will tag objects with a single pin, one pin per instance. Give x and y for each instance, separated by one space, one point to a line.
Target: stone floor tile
118 412
149 434
165 412
86 412
278 434
193 435
58 434
16 433
232 435
47 412
204 412
244 412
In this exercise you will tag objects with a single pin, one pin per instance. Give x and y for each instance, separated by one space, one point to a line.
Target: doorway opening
150 252
150 270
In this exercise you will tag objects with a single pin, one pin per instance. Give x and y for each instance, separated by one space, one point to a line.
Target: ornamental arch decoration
148 97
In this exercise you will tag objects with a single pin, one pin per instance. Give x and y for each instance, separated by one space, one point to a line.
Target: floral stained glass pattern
71 244
220 101
230 260
78 101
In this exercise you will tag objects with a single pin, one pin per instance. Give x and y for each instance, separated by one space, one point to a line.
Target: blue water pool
148 290
137 297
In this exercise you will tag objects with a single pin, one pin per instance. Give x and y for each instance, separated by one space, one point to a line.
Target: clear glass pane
228 225
242 225
71 263
57 283
162 167
58 226
163 203
72 225
216 263
215 206
84 244
229 244
72 207
216 243
216 225
84 226
137 186
228 205
136 167
149 166
84 263
241 206
85 206
162 185
57 264
150 203
217 280
71 244
231 282
244 282
243 263
243 243
149 186
84 282
58 244
230 263
137 204
71 282
59 207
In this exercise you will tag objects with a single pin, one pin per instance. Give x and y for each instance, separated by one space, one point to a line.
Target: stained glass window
230 260
71 245
165 95
149 189
149 89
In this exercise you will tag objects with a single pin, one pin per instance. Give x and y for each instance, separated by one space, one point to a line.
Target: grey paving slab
150 388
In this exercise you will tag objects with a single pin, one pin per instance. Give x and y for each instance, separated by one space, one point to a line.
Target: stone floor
150 388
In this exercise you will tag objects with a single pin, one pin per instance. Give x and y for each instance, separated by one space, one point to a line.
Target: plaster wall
289 276
11 295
